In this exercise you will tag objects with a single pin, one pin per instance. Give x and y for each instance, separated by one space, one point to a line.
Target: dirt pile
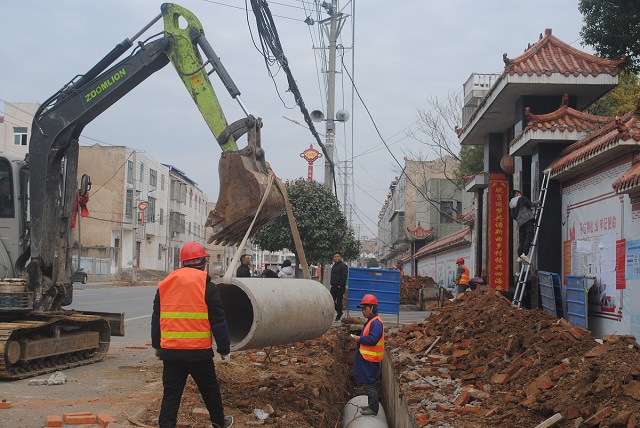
410 289
302 385
483 363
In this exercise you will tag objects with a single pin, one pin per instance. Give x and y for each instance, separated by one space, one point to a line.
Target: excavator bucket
244 175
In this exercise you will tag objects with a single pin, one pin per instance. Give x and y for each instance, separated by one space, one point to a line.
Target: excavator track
45 343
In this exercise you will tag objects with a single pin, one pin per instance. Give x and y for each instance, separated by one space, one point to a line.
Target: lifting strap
226 279
526 267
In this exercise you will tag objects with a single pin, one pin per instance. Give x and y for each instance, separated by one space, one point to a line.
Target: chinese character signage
498 238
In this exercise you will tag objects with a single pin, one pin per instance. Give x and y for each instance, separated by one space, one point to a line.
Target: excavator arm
57 125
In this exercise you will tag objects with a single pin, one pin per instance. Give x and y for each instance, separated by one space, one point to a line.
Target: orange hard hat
460 260
368 299
192 250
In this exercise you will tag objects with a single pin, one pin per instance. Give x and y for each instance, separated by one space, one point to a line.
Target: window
130 172
19 136
159 251
447 215
141 172
150 212
190 200
162 182
189 229
6 192
128 209
153 178
161 216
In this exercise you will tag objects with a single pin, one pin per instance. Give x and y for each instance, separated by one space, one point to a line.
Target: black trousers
526 232
174 378
337 293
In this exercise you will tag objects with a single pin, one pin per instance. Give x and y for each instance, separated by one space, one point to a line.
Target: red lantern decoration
507 163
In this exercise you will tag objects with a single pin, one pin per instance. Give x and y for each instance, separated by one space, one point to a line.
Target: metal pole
331 88
79 239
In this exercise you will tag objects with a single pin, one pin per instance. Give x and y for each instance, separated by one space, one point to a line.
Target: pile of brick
410 289
484 363
83 418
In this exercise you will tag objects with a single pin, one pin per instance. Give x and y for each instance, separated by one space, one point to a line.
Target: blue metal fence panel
384 284
545 282
577 301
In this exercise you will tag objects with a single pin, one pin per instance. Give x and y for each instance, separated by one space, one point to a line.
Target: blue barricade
384 284
577 309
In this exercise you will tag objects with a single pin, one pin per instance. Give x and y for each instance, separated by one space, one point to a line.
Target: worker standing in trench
369 353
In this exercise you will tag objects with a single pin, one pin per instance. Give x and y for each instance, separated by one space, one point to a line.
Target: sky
398 54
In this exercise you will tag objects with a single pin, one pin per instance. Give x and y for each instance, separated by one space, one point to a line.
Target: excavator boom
36 334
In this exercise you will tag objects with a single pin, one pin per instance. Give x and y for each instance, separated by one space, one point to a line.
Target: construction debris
499 366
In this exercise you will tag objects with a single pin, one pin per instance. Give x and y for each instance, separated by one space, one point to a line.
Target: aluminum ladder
526 267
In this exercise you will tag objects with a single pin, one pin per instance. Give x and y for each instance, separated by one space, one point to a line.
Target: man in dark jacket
244 271
187 309
339 275
522 213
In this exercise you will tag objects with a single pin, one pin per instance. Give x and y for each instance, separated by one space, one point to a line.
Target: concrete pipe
265 312
352 418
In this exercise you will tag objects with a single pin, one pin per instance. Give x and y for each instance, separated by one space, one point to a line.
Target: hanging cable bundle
272 52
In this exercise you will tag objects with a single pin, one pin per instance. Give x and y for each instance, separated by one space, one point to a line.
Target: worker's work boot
367 411
228 421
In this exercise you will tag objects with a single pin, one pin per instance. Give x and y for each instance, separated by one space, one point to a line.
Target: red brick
544 382
104 419
4 404
500 378
573 412
598 417
66 415
622 418
596 351
633 422
54 421
80 419
632 389
462 399
422 419
199 412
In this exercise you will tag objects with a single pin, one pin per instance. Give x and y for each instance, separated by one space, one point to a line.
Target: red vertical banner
621 258
498 219
566 254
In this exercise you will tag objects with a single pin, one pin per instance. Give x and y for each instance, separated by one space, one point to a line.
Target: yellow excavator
36 335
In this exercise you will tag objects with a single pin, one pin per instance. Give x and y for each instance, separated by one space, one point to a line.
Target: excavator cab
244 173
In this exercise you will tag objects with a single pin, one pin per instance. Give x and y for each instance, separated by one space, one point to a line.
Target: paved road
119 383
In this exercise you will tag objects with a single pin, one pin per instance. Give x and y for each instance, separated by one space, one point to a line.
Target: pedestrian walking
287 271
522 213
244 271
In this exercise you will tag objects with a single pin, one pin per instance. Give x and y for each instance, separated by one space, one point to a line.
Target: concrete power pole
331 96
134 221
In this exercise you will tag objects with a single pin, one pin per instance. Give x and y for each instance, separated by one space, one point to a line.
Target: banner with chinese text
498 219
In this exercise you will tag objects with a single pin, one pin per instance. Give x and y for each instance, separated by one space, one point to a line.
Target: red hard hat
192 250
460 260
368 299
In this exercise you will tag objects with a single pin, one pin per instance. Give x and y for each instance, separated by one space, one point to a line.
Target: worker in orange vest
462 276
369 353
187 309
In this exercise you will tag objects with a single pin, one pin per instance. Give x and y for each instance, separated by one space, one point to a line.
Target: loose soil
478 362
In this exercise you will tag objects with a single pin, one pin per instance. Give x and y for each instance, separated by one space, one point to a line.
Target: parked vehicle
80 276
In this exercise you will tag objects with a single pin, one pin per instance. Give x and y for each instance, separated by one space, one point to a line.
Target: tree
322 226
611 28
623 98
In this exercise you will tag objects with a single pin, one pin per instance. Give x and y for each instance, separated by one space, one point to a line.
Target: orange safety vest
184 315
373 353
464 278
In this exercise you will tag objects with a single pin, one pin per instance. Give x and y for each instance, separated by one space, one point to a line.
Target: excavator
36 334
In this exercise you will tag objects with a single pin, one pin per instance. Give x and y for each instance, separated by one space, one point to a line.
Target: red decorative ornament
310 155
507 163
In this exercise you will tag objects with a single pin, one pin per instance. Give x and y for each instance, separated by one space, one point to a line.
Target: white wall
442 266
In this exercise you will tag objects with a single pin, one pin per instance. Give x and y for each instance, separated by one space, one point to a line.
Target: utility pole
134 223
331 89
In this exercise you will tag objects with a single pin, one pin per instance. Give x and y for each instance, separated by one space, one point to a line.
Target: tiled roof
468 217
418 233
551 55
548 56
623 129
448 241
563 119
630 179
